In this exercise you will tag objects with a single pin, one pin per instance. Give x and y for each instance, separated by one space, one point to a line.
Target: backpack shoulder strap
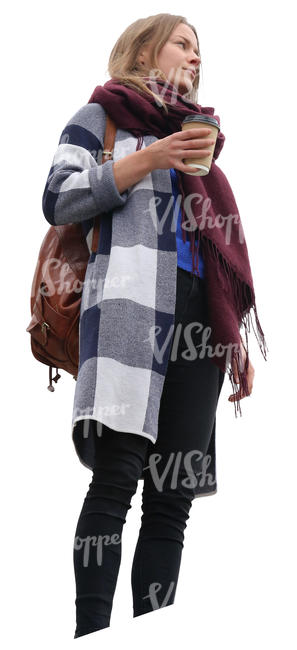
107 154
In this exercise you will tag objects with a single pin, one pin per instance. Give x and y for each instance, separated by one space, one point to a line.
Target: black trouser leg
186 417
158 552
97 544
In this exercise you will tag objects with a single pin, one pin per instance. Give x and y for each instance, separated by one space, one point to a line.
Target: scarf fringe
243 296
195 251
244 299
139 142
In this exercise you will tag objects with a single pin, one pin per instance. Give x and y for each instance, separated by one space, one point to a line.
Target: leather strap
107 154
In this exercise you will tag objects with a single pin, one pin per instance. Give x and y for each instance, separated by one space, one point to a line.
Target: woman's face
178 57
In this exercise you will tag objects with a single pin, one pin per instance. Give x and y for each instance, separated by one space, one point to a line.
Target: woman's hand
250 377
171 151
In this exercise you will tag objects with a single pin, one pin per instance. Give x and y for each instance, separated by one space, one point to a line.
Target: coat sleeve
78 187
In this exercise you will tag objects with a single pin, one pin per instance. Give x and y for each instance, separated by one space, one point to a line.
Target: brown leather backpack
57 288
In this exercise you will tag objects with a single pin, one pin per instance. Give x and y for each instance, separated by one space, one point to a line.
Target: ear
143 55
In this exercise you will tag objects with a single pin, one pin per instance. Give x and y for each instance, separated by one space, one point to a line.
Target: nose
195 60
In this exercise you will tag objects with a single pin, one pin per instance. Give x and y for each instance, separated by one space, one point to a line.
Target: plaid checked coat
129 292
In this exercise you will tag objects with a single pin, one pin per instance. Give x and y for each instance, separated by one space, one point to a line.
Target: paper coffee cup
202 165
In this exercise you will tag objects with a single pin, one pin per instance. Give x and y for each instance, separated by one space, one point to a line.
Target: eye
183 43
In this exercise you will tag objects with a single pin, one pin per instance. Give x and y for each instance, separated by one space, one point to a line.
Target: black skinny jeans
187 410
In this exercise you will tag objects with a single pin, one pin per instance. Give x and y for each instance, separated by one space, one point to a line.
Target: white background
238 574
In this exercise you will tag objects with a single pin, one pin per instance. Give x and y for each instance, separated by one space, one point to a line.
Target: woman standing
161 310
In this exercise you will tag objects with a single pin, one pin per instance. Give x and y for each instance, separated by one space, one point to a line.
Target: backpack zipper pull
51 379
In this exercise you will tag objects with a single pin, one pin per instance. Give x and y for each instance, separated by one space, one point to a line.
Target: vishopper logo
112 281
190 223
90 421
174 464
191 353
99 542
154 588
49 287
160 91
117 280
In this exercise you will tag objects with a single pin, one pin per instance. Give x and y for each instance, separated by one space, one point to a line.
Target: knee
118 467
119 459
165 514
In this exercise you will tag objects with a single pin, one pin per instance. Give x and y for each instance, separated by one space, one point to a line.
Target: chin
181 87
184 90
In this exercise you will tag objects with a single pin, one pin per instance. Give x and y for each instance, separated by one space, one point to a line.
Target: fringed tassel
244 298
241 388
244 302
259 334
139 142
195 253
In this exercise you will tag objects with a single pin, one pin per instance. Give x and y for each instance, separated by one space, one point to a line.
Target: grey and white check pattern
130 284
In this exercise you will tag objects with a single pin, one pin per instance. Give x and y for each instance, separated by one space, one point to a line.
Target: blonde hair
153 31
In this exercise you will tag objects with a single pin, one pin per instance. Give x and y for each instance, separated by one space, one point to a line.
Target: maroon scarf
213 214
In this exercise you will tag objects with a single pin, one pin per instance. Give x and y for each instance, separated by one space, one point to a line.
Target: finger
195 153
193 144
197 132
238 396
